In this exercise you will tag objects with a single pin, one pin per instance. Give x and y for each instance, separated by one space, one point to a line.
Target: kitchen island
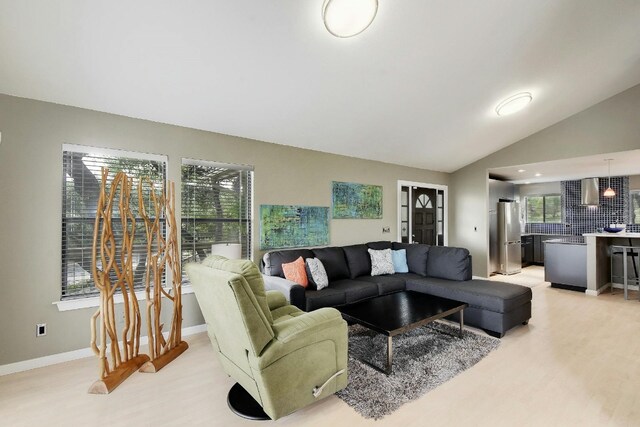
598 258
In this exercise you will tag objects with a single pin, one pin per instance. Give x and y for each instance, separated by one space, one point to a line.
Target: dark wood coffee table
400 312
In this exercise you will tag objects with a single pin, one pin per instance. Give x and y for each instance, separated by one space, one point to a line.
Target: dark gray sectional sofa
495 307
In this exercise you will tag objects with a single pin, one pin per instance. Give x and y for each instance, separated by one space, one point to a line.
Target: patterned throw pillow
399 258
295 272
318 273
381 262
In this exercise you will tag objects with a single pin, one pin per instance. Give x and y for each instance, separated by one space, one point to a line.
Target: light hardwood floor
576 363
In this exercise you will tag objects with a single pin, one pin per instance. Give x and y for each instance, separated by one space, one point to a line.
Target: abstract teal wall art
287 226
361 201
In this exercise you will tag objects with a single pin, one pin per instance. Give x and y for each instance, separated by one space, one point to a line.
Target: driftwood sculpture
162 254
115 273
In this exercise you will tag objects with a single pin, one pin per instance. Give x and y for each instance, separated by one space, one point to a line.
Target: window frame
544 208
69 302
248 221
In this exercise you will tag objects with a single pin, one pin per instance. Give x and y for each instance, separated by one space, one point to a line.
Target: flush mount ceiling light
514 103
609 191
347 18
521 170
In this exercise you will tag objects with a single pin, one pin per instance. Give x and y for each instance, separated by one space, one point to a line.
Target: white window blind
82 178
216 207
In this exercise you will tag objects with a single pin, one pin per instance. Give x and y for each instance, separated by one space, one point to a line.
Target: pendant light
609 191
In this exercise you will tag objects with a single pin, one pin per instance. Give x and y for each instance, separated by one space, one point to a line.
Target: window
216 207
82 178
541 209
635 206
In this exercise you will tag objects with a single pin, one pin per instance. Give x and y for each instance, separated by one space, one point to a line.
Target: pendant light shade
347 18
609 191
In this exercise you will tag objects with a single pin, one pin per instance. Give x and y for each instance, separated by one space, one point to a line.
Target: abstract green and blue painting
291 226
352 200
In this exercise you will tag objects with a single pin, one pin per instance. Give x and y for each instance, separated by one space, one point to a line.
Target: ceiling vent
590 194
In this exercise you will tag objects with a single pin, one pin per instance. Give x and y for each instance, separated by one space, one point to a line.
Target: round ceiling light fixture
514 103
347 18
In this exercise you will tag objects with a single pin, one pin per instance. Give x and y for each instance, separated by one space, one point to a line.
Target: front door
424 216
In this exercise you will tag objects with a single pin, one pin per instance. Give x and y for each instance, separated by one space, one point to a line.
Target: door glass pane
423 201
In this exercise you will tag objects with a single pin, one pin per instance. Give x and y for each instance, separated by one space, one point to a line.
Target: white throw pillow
381 262
318 273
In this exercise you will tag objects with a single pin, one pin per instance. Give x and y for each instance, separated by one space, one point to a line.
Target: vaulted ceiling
417 88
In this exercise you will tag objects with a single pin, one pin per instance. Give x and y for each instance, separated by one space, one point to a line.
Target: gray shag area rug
422 360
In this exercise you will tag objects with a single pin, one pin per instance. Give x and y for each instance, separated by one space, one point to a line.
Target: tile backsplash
547 228
579 219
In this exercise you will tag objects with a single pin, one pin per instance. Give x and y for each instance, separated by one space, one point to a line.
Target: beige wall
30 189
610 126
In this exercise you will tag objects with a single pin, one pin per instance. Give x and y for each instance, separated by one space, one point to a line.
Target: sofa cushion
399 258
379 245
296 272
358 260
355 290
273 260
450 263
490 295
316 273
334 262
328 297
381 262
386 284
416 256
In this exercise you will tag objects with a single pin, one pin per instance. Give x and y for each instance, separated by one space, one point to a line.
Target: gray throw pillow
318 273
381 262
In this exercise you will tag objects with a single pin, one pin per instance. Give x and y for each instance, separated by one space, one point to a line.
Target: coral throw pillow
296 272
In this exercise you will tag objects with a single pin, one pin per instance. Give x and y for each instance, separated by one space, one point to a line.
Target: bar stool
626 252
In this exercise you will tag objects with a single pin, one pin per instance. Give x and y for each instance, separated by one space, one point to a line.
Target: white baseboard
39 362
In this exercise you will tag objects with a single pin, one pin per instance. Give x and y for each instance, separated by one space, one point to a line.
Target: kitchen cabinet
533 247
527 250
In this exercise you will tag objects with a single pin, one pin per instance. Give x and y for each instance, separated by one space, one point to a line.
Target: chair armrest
307 324
293 292
275 299
304 331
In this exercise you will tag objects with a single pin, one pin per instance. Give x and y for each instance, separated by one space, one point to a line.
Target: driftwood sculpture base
153 366
121 373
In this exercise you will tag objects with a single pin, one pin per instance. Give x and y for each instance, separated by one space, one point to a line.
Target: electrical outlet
386 229
41 329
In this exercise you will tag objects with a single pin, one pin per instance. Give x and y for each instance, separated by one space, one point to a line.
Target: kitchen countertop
621 234
543 234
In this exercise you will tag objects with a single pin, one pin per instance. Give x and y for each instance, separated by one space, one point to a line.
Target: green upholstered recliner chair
283 357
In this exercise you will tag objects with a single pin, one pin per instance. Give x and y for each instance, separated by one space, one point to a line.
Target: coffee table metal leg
389 355
461 321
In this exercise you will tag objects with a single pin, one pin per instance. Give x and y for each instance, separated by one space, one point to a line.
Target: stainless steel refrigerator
509 247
